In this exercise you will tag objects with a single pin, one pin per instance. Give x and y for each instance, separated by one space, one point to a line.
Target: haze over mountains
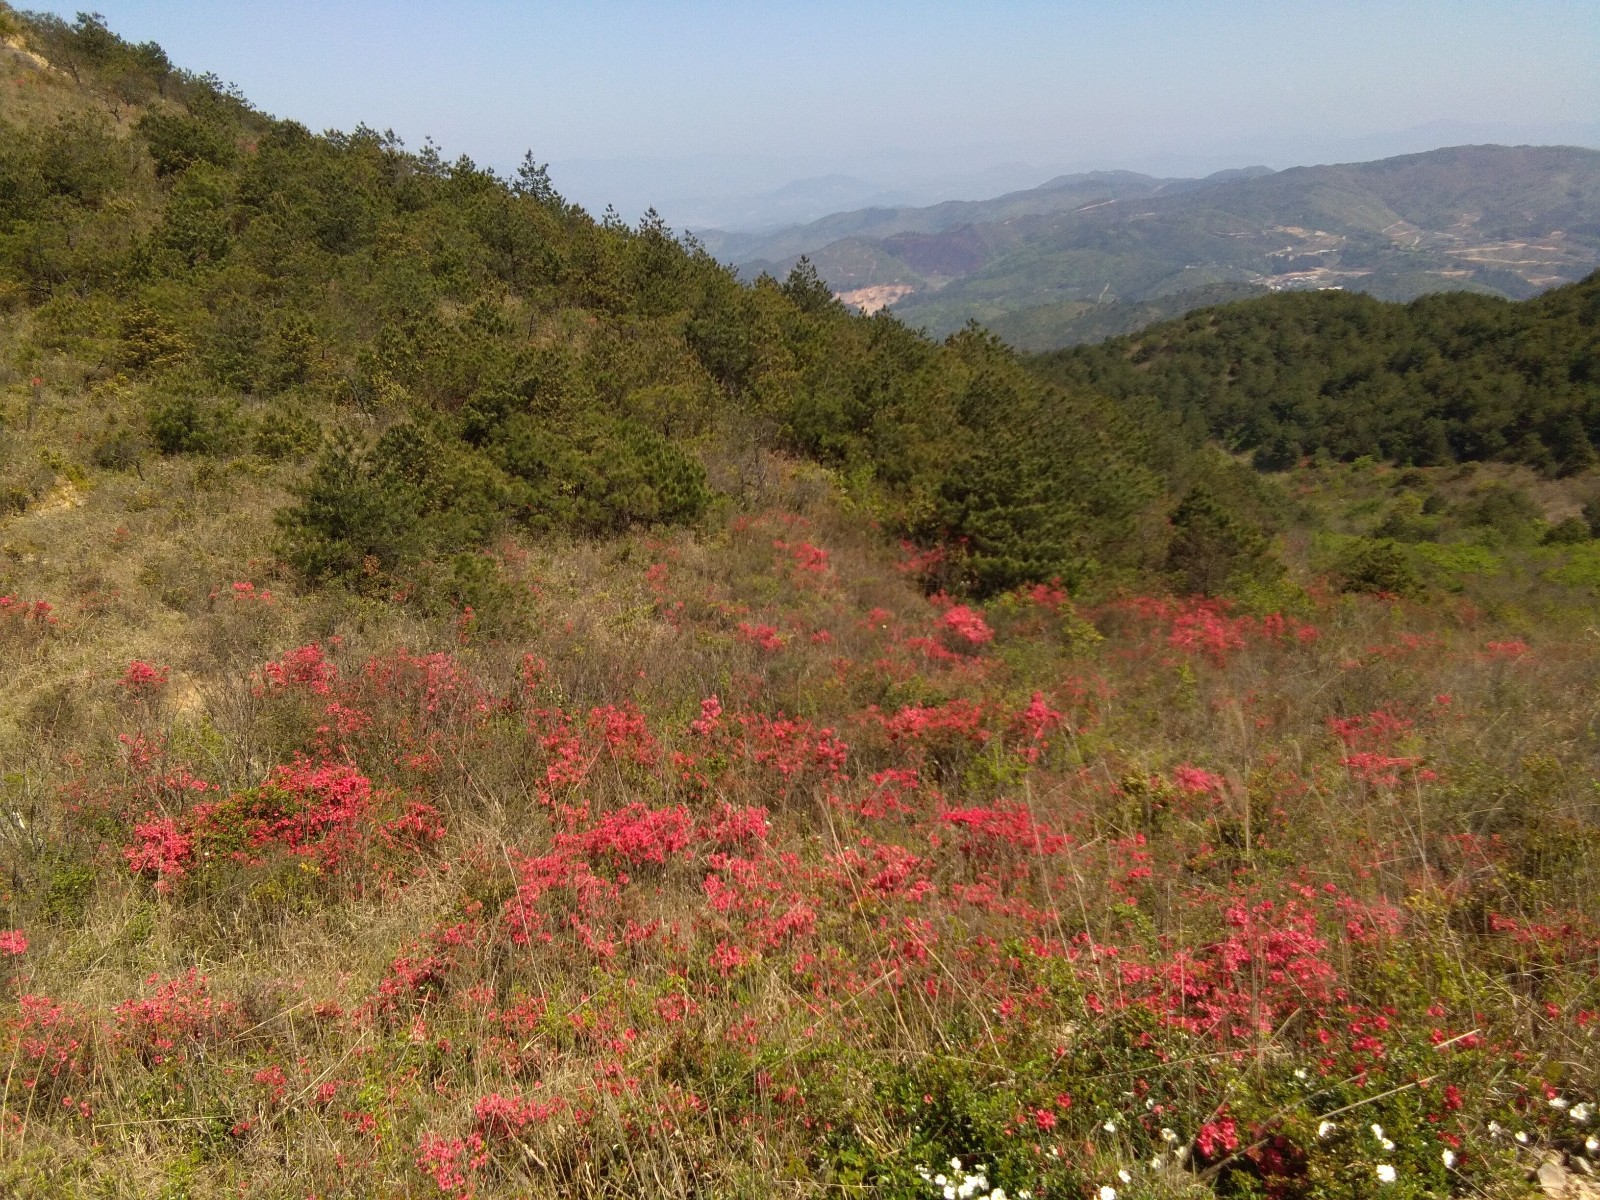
1100 253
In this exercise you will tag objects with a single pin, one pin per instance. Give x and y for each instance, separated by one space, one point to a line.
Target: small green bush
1376 567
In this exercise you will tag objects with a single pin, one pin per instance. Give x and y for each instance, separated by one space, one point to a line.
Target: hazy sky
723 97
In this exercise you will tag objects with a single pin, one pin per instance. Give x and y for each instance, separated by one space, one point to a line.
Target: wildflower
1169 1137
1158 1163
1124 1176
1580 1113
1558 1102
13 941
1592 1145
1521 1137
1448 1157
1386 1173
1495 1129
1325 1131
1301 1074
1108 1193
1109 1127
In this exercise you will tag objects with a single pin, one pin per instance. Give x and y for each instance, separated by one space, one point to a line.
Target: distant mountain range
1090 255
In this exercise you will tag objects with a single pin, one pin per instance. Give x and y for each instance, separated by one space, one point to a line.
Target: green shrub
186 425
1212 546
286 435
1376 567
1568 532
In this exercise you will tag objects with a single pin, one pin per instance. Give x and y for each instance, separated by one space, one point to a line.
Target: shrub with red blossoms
179 1016
638 835
967 625
142 679
304 668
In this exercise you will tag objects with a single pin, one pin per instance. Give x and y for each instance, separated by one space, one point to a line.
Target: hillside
1507 221
485 357
1447 378
497 707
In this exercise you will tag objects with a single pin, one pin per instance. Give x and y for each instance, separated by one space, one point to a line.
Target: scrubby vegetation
497 708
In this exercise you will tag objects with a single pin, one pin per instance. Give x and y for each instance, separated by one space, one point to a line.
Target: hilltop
1501 220
497 707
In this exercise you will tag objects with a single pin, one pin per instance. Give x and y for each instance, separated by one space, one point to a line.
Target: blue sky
633 101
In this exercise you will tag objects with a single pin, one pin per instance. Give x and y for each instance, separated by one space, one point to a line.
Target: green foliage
177 141
1212 547
420 493
1451 377
285 433
1507 511
184 424
1379 567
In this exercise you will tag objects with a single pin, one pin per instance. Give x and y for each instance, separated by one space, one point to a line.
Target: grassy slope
366 1018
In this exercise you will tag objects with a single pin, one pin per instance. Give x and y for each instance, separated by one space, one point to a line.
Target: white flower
940 1180
1495 1129
1592 1145
1387 1144
1181 1154
1386 1173
955 1164
949 1193
1581 1112
1325 1130
998 1194
1109 1127
1108 1193
1448 1157
1169 1137
1522 1138
1124 1176
1558 1102
1377 1132
1301 1073
1158 1163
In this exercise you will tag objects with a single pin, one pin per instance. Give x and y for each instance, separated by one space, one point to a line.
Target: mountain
1504 220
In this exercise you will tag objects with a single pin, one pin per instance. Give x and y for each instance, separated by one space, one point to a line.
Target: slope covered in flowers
734 863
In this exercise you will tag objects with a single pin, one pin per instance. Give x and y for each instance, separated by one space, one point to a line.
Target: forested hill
429 356
1449 377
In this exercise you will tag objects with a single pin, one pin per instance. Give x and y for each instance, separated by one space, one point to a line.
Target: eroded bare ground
869 300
